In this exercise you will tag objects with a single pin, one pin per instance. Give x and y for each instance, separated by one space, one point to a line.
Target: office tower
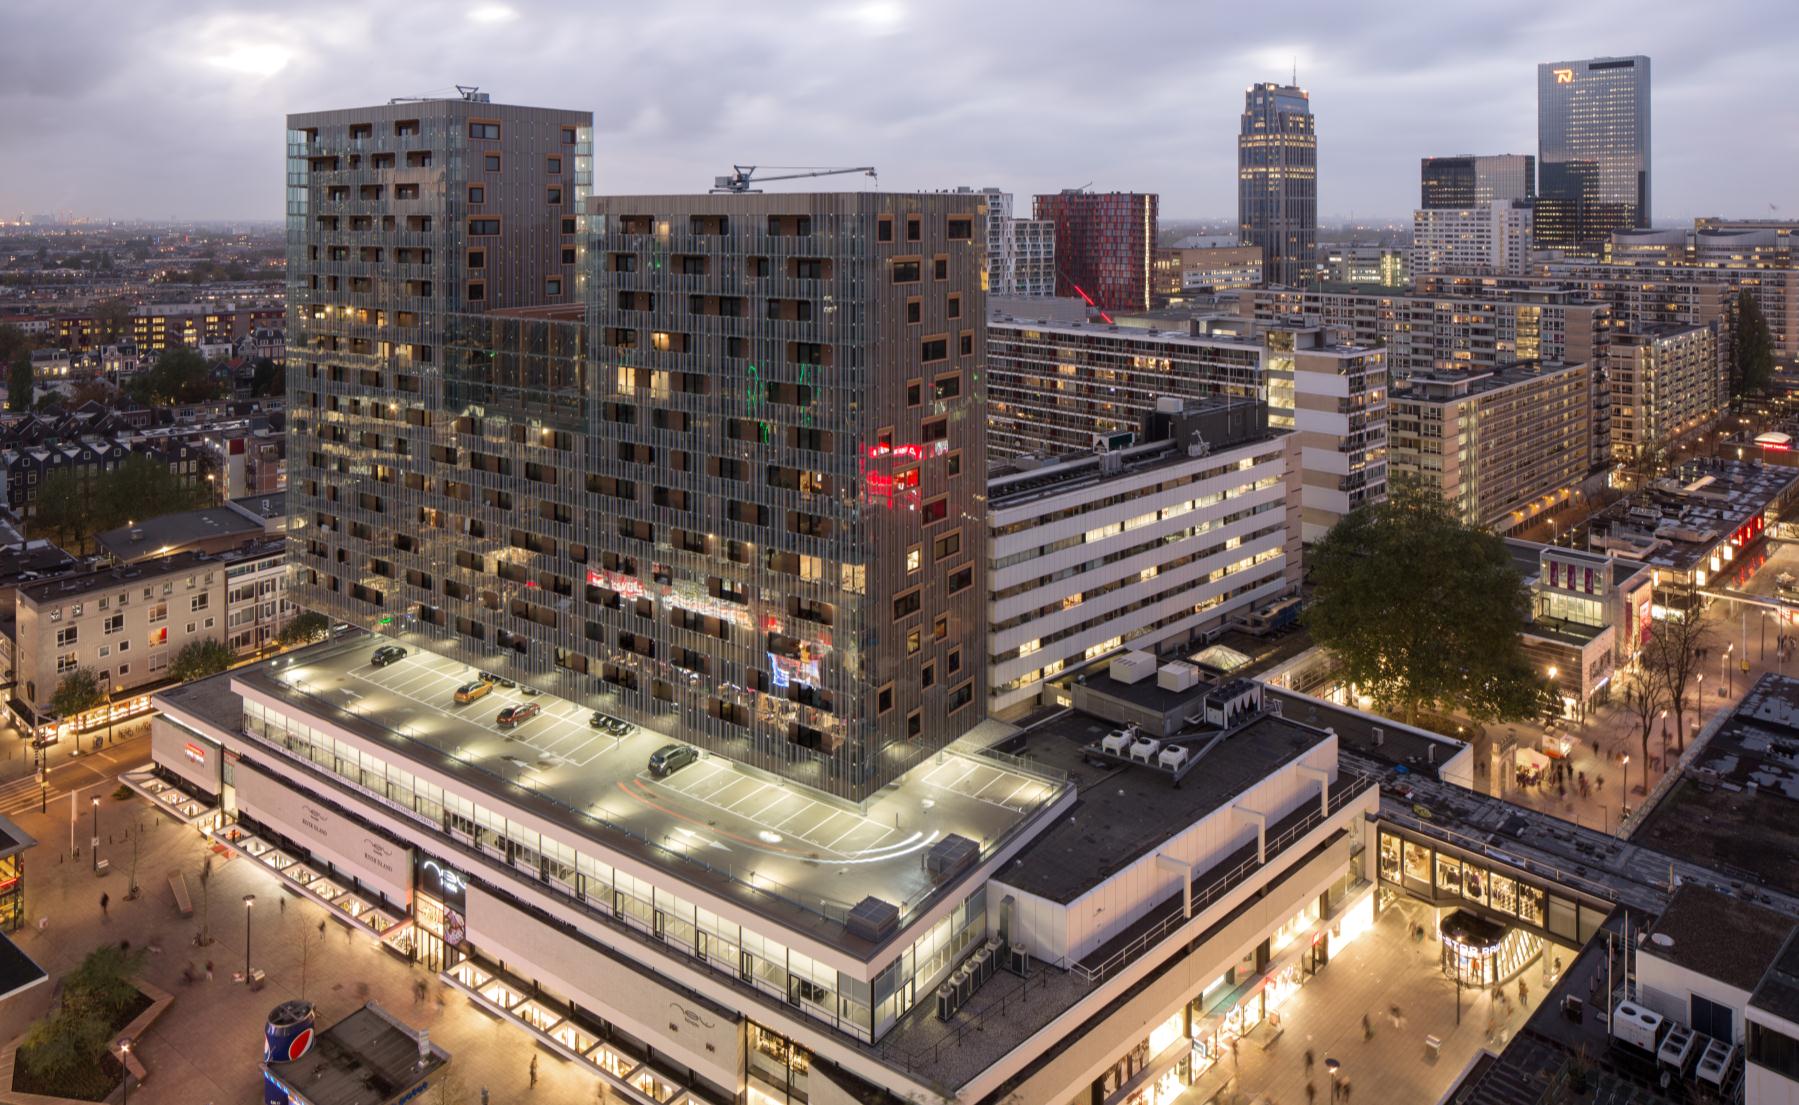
1367 265
1592 151
1487 239
787 465
1277 181
1021 253
1467 180
1105 246
1182 271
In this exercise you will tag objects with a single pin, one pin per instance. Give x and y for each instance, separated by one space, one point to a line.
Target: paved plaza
205 1049
1382 968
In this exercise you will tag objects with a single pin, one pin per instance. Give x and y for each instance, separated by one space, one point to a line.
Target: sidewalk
205 1049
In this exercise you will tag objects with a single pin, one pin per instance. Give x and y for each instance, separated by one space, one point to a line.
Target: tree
1751 349
20 382
95 390
304 628
1672 650
71 507
1645 698
79 692
1419 610
268 379
310 939
113 317
199 659
179 375
12 339
63 510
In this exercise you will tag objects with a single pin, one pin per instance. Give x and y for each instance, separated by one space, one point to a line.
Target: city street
1382 968
205 1049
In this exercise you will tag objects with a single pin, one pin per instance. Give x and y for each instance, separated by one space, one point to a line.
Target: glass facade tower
1592 150
1277 182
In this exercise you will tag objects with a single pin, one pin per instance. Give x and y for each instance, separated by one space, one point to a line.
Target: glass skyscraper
1277 181
1592 150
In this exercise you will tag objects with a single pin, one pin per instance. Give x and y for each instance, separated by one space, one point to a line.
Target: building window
914 642
477 258
568 136
954 463
961 696
967 344
936 510
568 255
477 291
940 268
960 228
554 168
955 660
554 196
906 604
955 306
477 194
67 662
914 392
491 162
914 310
884 229
66 637
940 629
553 286
484 130
914 228
481 228
935 349
905 272
914 724
884 699
961 579
927 676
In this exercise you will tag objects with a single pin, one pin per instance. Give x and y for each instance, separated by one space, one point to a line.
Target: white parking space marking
765 805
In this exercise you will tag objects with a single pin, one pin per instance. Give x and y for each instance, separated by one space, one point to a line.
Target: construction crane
741 175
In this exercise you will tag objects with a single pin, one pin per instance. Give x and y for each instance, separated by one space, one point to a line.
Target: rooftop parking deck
804 858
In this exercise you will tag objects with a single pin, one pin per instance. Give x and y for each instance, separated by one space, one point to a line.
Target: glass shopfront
1438 875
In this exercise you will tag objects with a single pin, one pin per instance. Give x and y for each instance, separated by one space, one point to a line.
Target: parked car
470 691
517 715
500 680
671 758
386 655
618 727
597 720
528 691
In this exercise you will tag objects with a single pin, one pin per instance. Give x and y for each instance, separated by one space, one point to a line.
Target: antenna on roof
470 91
1295 70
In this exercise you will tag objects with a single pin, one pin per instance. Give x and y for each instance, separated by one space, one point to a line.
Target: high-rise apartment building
1468 180
1021 253
1501 446
1105 246
1486 238
1277 181
1668 383
1592 151
701 499
1069 387
1196 270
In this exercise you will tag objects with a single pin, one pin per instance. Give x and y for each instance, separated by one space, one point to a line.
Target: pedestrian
1367 1028
1233 1052
483 1095
1311 1093
105 900
534 1072
1309 1061
281 904
1523 993
209 970
1345 1092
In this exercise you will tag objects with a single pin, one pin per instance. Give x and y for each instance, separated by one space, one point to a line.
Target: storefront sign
383 865
195 753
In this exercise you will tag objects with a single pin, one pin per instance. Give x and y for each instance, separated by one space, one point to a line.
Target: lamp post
1624 787
125 1068
1333 1067
96 838
1664 740
249 900
1724 667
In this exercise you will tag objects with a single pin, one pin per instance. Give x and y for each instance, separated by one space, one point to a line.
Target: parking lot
756 828
560 734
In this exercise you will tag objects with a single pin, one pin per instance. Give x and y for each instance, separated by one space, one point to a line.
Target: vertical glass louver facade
1592 150
712 463
1105 246
1277 182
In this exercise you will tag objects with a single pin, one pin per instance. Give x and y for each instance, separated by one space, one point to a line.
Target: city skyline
188 121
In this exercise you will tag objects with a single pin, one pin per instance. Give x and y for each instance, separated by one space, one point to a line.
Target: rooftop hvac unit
1132 667
1637 1026
873 919
1177 676
951 855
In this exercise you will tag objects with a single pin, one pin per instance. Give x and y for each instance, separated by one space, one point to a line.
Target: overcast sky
158 108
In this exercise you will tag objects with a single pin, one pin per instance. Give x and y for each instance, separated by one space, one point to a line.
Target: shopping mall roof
1720 937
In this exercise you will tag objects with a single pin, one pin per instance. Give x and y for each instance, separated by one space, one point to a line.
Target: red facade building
1105 246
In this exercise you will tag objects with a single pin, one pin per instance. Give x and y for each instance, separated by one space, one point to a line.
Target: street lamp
125 1067
1664 739
249 900
96 838
1624 787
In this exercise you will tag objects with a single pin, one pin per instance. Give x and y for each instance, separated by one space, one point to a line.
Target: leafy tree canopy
199 659
307 626
1752 349
79 692
1421 611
